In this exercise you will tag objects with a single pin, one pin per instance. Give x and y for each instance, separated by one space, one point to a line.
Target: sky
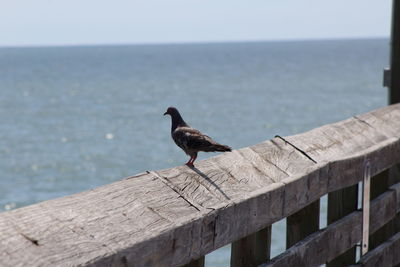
93 22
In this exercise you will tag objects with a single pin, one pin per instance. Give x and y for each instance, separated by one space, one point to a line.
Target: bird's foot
189 164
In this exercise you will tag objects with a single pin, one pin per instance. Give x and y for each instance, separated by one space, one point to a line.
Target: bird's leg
189 163
194 158
191 160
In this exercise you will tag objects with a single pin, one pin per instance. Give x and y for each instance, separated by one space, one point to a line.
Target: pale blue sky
74 22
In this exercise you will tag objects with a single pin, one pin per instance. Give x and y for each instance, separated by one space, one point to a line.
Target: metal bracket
387 76
365 206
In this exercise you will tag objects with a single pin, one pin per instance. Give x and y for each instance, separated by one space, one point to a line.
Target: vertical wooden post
252 250
302 223
379 184
394 85
196 263
341 203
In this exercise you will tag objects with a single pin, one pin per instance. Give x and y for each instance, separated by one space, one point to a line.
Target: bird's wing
191 139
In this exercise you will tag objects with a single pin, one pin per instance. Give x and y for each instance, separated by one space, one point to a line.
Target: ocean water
74 118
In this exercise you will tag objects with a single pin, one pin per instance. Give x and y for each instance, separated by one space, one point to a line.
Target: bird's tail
222 148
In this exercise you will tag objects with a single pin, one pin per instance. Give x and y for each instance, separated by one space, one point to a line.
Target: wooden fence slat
252 250
196 263
338 237
379 184
302 223
341 203
319 247
386 254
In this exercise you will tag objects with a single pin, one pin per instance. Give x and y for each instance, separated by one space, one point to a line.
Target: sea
74 118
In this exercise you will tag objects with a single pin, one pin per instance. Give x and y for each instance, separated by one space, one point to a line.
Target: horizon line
191 42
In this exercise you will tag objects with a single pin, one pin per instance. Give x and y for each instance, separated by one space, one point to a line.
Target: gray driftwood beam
171 217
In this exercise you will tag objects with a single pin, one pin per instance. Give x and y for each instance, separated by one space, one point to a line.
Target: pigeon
191 140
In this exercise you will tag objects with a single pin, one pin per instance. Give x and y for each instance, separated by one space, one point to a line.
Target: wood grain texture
172 217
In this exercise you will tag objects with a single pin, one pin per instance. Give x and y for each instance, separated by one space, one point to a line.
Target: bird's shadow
208 180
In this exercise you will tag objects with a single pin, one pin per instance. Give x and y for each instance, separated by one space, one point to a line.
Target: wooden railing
176 216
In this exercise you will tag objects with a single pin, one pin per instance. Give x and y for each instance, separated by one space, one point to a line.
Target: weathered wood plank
266 206
359 133
386 254
349 171
337 140
338 237
302 223
379 184
252 250
267 154
383 120
174 216
96 222
196 263
382 209
323 245
300 191
341 203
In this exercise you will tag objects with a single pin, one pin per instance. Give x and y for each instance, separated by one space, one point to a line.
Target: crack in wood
363 121
183 188
270 162
333 141
226 171
261 172
157 213
275 144
32 240
211 182
192 241
167 183
214 230
200 183
295 147
136 176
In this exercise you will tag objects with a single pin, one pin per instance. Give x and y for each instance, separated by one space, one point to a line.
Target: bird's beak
165 113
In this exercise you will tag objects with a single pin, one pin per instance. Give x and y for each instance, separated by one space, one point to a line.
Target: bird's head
176 118
171 111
